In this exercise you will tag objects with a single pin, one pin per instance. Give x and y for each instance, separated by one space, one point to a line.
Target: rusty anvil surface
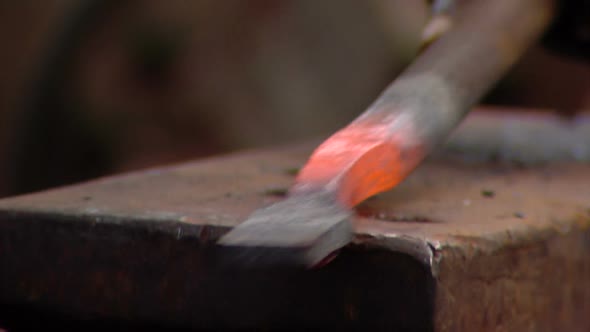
457 247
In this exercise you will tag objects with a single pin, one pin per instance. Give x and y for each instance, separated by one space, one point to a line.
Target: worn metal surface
457 247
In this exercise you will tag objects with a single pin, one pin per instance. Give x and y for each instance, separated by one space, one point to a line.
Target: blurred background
97 87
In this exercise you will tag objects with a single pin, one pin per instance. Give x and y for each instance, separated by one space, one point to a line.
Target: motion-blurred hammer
392 137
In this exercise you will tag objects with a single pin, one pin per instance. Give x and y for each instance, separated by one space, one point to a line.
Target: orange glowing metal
361 160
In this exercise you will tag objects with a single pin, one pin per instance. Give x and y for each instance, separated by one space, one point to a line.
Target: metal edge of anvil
424 249
421 249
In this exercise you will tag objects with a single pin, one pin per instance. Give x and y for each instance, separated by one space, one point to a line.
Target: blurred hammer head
300 231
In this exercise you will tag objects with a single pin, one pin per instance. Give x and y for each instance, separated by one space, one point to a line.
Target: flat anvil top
132 245
443 203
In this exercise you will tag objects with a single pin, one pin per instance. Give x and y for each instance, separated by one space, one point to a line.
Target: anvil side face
459 246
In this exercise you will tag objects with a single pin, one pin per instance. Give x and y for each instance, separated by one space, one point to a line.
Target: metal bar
442 84
427 101
388 141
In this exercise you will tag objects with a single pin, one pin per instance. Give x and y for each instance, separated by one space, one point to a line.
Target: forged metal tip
298 232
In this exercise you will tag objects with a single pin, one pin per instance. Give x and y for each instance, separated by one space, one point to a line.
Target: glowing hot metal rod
385 143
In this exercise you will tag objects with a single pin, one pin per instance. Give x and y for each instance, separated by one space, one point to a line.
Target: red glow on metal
360 161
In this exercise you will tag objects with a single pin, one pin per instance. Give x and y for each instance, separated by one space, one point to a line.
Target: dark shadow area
91 277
